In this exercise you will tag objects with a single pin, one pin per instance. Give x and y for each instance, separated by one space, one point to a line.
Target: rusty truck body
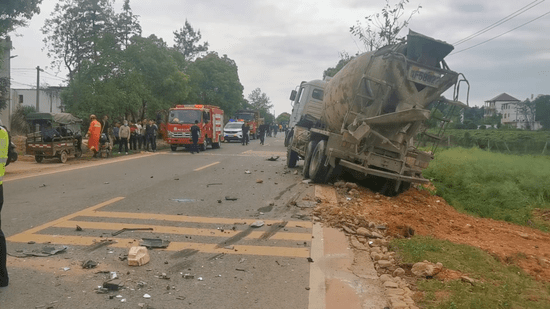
370 112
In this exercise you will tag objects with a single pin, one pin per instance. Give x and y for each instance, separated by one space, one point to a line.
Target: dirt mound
419 212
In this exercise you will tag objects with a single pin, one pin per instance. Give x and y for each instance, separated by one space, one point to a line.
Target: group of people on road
138 134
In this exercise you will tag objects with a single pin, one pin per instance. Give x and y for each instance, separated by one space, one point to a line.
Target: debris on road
132 229
44 252
154 243
257 224
138 256
228 198
310 260
214 184
113 284
146 296
273 158
259 181
183 200
164 276
78 228
247 172
188 276
89 264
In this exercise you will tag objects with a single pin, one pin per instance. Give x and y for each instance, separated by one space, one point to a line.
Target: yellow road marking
174 246
83 212
203 167
176 218
180 230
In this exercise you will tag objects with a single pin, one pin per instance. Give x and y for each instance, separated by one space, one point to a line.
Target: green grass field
498 285
492 185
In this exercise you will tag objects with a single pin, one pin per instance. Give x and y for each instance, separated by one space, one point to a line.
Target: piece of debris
310 260
176 179
199 278
259 181
78 228
44 252
42 186
132 229
228 198
295 173
257 224
138 256
113 284
164 276
183 200
154 243
66 268
247 172
89 264
239 269
106 183
214 184
273 158
188 276
113 275
306 181
146 296
31 242
219 201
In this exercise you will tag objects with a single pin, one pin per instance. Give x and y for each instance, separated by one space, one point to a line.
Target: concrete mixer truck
371 111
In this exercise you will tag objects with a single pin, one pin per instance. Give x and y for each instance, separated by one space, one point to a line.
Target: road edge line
317 287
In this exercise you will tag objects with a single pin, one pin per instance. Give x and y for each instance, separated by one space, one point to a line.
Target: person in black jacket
261 133
195 133
245 129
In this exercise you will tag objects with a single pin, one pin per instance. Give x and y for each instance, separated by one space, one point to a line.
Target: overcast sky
279 43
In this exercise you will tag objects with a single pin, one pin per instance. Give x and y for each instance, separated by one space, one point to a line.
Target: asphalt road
183 198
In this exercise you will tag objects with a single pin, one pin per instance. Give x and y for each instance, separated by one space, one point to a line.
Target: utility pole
38 69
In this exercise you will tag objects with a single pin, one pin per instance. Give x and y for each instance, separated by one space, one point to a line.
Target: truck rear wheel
203 145
38 158
291 155
307 159
174 147
63 156
217 144
317 169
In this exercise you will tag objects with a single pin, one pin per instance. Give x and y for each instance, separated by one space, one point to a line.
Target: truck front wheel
174 147
317 169
309 151
291 156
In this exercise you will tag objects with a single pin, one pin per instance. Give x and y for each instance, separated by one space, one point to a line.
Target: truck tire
63 156
203 145
317 169
174 147
38 158
217 144
291 156
307 159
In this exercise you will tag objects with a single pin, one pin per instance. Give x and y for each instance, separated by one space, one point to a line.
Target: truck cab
306 99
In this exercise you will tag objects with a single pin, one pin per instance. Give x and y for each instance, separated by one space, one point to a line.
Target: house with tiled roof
512 112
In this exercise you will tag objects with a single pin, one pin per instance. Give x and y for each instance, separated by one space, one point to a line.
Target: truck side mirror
293 95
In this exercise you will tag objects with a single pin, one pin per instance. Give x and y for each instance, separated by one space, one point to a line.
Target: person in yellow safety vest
4 142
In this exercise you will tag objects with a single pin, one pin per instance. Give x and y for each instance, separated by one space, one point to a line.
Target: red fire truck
252 117
182 117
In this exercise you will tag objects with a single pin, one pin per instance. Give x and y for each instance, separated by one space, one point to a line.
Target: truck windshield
184 116
245 116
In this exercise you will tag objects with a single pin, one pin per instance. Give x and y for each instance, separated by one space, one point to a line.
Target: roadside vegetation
492 185
497 285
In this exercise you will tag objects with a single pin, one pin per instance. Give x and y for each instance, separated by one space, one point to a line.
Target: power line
499 22
498 36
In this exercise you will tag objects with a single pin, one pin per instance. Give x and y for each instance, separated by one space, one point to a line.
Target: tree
344 59
187 42
259 100
127 24
283 118
542 104
383 28
16 13
527 112
76 26
215 81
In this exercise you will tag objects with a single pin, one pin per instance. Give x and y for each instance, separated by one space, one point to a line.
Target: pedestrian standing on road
245 129
143 134
151 131
124 136
133 135
195 133
94 131
4 142
138 134
261 133
106 128
275 129
116 135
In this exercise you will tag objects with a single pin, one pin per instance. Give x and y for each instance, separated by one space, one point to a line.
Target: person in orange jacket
93 133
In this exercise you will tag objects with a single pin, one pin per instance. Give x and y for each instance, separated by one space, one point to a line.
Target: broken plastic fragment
257 224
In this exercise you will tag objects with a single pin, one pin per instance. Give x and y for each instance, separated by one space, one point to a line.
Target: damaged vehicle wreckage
368 114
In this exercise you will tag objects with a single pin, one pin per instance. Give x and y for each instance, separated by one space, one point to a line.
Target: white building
509 107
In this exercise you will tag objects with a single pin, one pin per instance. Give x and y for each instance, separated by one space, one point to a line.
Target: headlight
170 134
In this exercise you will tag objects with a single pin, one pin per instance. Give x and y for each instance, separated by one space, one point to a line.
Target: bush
493 185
